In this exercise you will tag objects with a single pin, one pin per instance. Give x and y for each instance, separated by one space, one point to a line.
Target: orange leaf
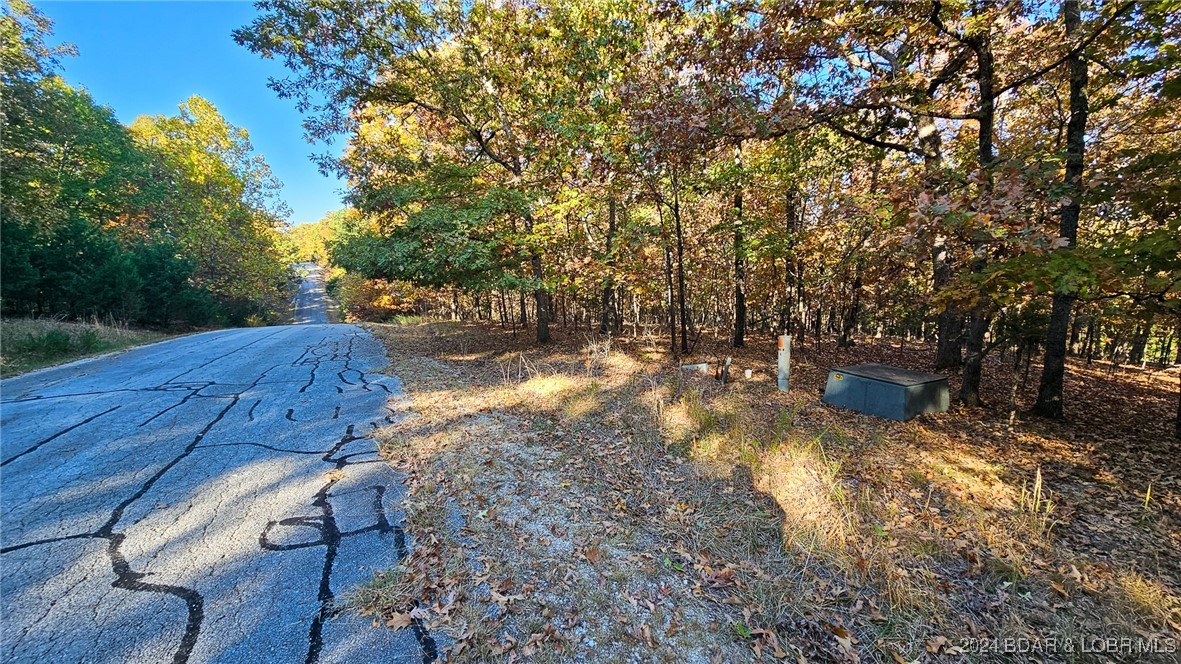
399 620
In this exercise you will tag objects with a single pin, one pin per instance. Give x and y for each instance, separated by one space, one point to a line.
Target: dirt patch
587 501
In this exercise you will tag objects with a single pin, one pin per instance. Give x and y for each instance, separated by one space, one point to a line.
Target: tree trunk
541 296
849 324
1089 340
949 325
978 318
1139 343
974 361
800 312
739 275
793 269
605 314
1113 345
684 309
782 306
1049 396
670 305
635 317
1076 331
512 319
850 321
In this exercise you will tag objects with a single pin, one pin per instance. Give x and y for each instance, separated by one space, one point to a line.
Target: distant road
206 499
311 303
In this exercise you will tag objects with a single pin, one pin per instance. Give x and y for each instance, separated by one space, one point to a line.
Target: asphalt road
208 499
311 303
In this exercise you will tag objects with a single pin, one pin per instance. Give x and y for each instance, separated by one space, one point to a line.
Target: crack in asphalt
128 579
323 521
265 447
176 387
192 393
47 540
330 536
250 413
57 435
222 357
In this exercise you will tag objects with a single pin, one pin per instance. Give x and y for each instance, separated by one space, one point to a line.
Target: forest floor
32 343
586 501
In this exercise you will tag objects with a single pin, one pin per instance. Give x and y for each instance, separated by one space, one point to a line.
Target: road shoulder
32 345
526 545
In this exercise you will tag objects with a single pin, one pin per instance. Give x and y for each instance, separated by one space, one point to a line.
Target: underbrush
588 501
32 343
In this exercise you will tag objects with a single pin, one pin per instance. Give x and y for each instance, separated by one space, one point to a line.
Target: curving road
206 499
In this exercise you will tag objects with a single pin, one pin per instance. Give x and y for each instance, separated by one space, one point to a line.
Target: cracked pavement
211 498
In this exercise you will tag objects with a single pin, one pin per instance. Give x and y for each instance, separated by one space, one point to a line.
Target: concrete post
784 361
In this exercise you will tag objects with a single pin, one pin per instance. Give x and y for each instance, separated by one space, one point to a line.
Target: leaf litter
586 502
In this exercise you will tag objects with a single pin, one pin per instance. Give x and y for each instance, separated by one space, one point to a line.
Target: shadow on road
211 498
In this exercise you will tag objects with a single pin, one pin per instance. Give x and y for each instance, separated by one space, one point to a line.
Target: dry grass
32 343
586 501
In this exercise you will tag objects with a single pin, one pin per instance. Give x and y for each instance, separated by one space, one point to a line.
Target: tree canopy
173 219
930 169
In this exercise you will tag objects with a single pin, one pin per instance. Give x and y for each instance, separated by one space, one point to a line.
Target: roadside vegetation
587 501
32 343
172 221
987 176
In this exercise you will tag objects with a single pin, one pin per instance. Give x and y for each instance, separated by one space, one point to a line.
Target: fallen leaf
399 620
937 644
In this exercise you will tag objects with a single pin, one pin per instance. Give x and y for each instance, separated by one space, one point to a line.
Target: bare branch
1069 54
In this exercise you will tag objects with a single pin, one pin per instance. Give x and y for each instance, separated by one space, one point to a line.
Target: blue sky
147 57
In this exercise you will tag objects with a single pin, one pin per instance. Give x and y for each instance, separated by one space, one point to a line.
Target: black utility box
885 391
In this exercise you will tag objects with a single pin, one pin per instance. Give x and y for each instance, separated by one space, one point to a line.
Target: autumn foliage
978 175
171 220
